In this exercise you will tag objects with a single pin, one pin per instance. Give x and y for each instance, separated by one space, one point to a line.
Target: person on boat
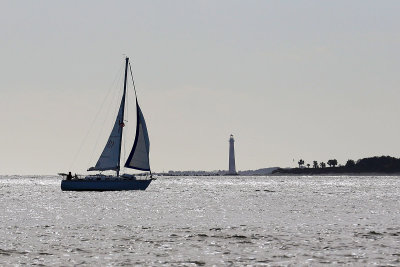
75 176
69 176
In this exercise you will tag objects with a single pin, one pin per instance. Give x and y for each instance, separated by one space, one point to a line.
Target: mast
123 110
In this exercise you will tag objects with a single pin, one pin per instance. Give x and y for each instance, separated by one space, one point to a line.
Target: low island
384 165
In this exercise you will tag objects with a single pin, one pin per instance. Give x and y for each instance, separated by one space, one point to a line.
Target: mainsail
139 157
109 159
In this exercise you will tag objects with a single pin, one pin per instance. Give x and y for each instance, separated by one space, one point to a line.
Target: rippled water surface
203 221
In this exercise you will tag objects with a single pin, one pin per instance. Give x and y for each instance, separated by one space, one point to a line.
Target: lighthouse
232 166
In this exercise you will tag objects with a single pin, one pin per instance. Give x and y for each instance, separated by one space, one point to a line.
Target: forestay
139 157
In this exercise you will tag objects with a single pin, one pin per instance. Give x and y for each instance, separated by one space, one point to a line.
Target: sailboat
111 156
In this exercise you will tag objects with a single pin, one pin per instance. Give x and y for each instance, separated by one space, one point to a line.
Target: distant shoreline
374 166
369 174
286 174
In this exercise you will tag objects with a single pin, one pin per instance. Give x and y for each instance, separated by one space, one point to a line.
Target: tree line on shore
383 164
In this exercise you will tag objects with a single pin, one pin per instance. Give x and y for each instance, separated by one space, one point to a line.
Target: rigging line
123 137
95 118
127 120
127 103
123 162
112 103
133 81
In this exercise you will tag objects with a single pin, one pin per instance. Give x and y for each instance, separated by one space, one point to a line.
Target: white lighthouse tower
232 166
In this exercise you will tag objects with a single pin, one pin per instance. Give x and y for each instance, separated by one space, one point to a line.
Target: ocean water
192 221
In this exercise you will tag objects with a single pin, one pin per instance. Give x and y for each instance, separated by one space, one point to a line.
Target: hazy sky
289 79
